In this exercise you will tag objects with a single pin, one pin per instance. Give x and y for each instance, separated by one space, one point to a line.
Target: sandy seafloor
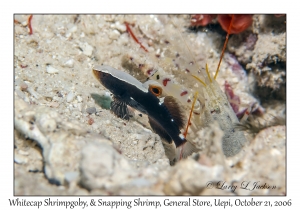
67 142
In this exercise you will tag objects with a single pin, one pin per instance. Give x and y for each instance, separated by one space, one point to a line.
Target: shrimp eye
156 90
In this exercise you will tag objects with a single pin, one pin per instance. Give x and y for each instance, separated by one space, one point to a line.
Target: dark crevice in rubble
265 94
215 28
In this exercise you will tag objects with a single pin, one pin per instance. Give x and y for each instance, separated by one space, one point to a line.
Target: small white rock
79 98
34 93
114 34
70 97
235 80
87 49
20 159
107 94
45 123
54 104
120 27
69 63
72 29
123 39
51 70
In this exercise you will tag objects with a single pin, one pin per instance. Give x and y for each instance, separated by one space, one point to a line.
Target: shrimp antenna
224 47
189 121
197 78
207 72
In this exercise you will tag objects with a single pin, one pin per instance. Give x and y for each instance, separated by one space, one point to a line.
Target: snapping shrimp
218 108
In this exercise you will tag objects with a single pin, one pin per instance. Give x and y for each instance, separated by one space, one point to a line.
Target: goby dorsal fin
176 112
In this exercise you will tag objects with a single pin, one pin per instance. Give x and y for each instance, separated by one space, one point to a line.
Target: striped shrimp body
215 107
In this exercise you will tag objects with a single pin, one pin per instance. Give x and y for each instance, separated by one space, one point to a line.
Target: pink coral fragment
233 99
